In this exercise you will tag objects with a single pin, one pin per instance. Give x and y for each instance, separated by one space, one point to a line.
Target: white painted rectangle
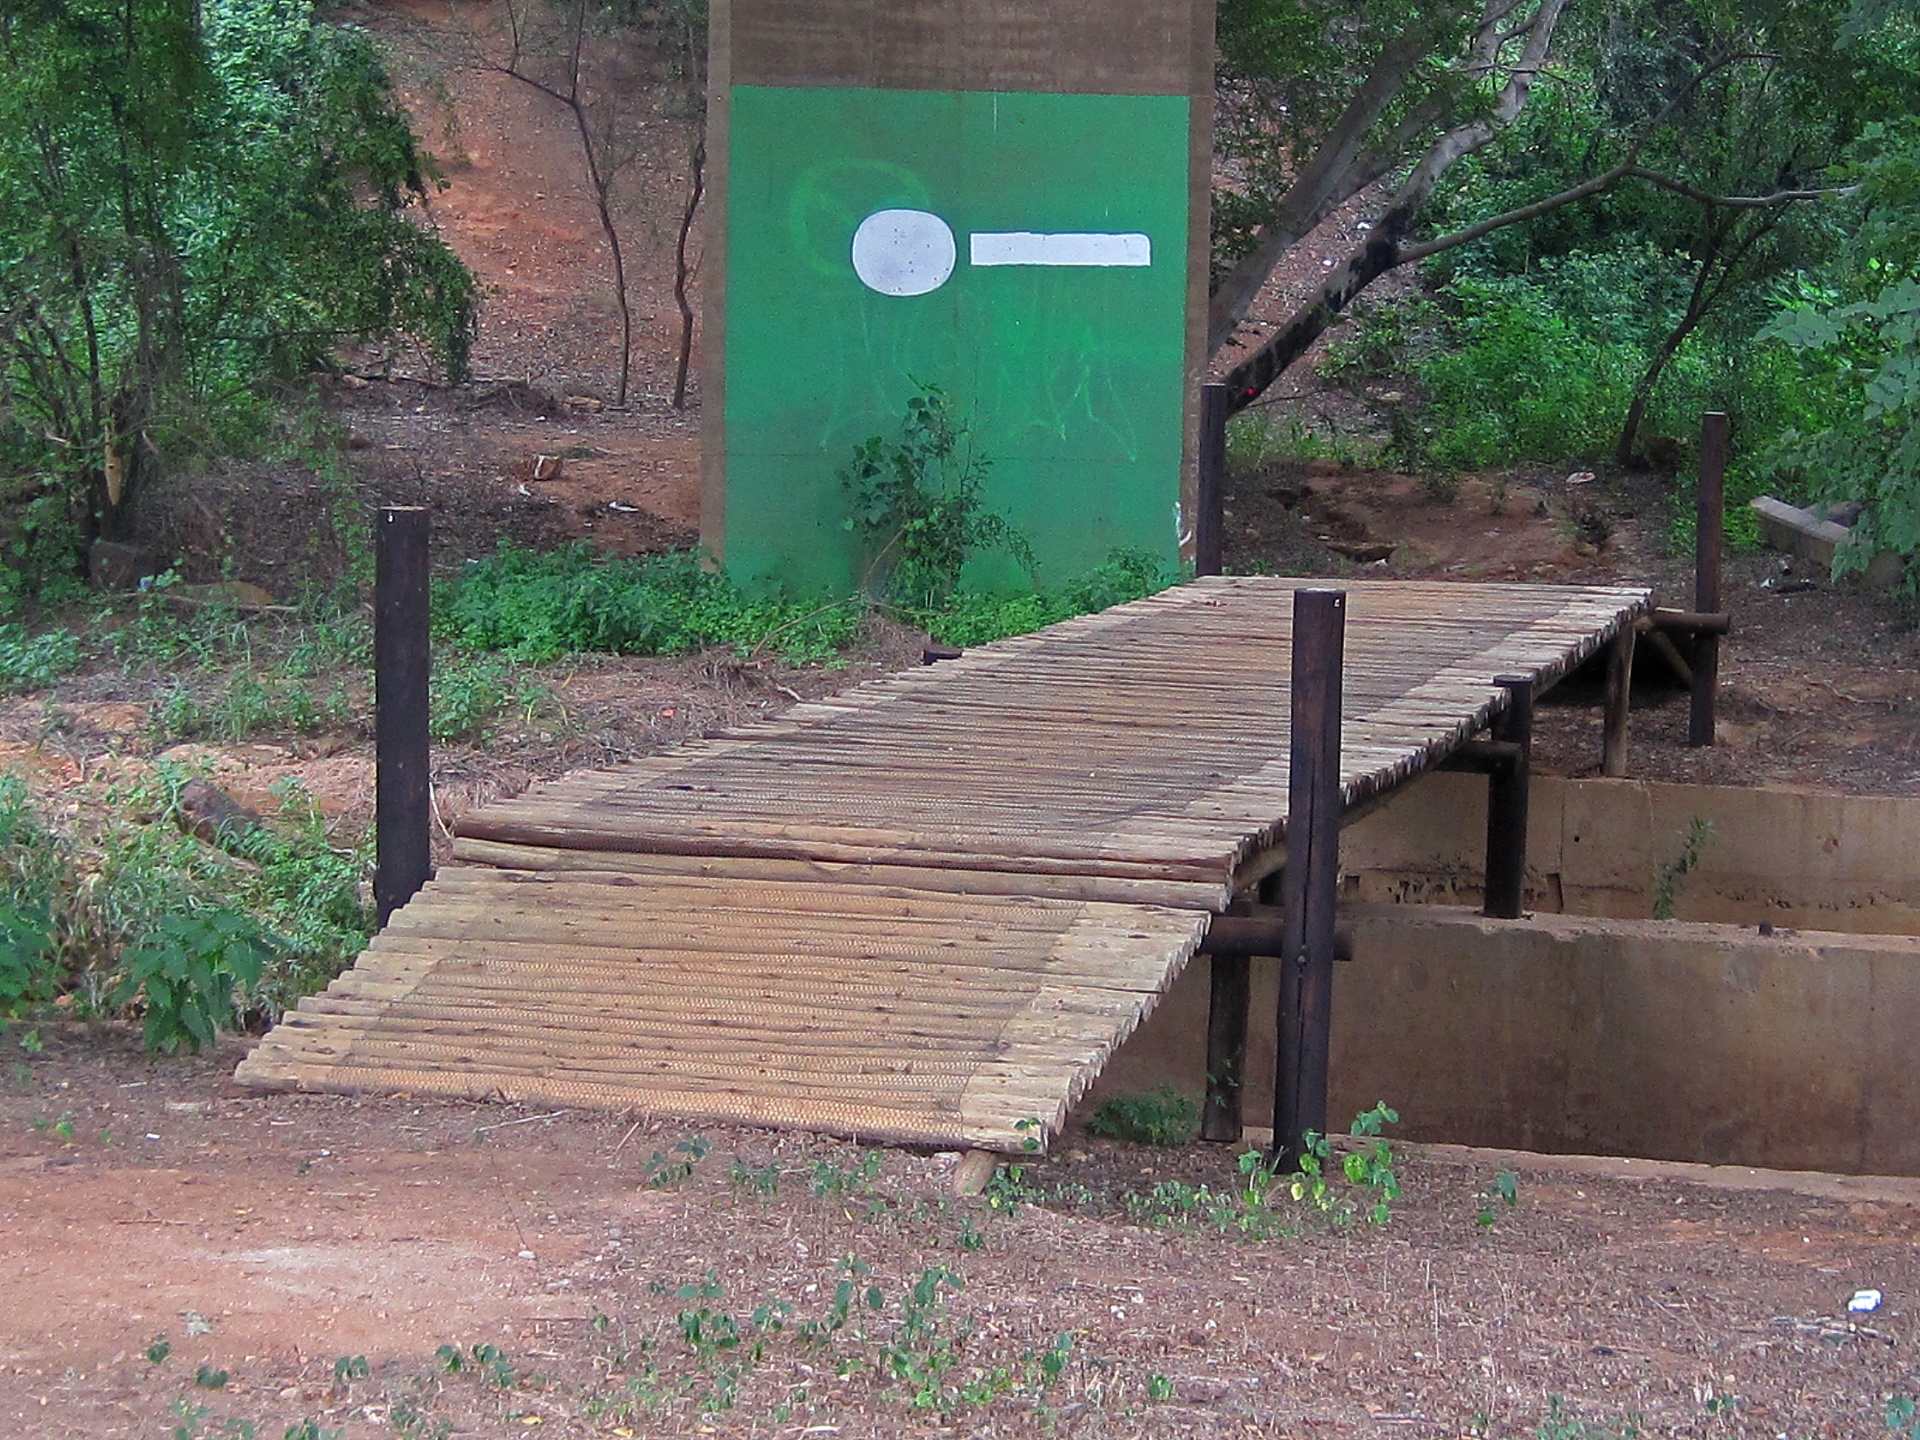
1031 247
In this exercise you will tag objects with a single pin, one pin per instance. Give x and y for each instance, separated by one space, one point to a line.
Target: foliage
1669 873
32 862
130 909
33 662
1505 1190
1868 346
467 694
1369 1168
196 200
1160 1116
1559 1425
971 618
247 701
540 606
919 508
1521 379
188 971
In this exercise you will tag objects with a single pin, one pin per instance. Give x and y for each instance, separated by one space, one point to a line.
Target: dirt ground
586 1287
585 1269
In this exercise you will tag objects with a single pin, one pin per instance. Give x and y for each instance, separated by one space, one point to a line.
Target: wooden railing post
1507 802
1710 518
1211 482
1618 704
401 657
1229 984
1310 885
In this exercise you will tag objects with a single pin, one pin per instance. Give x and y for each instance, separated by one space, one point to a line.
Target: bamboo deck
925 910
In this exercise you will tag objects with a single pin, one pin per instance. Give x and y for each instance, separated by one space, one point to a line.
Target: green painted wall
1073 376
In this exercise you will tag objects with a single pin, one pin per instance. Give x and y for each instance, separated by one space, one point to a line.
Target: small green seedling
1505 1190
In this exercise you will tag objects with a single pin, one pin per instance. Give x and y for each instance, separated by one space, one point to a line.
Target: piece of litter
526 1254
617 508
1864 1302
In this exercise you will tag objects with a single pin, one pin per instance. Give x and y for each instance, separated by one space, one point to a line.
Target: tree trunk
682 271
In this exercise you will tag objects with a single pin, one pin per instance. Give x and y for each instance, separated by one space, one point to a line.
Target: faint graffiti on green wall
1026 253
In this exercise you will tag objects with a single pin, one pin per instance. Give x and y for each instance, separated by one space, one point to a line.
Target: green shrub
29 864
190 969
1523 381
131 906
1160 1116
919 506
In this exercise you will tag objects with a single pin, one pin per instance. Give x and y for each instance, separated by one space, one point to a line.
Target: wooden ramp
926 910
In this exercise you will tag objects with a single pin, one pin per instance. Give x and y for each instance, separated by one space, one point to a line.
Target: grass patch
33 662
101 901
972 619
539 607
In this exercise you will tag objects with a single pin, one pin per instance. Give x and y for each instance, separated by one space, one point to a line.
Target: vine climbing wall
1003 198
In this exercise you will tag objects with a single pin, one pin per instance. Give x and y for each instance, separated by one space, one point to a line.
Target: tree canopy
196 197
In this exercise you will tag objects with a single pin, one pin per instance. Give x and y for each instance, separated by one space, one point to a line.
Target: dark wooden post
1310 886
1618 704
1507 801
1220 1118
404 858
1710 517
1211 487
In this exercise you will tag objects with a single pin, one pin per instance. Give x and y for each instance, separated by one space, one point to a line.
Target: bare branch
1737 202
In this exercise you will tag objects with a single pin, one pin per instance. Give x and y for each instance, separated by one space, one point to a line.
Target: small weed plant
1503 1192
469 694
1668 875
831 1181
664 1171
918 505
192 973
1559 1425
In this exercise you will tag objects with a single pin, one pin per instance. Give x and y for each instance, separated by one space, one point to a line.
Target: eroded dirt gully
271 1236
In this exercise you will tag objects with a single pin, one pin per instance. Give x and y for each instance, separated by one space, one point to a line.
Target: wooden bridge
928 909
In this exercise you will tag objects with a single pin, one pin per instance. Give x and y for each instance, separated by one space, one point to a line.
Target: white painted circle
903 252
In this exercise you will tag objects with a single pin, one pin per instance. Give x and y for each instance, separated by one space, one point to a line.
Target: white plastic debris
1864 1302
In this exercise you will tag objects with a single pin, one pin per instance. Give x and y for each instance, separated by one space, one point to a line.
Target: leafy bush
1160 1116
133 907
1523 380
918 505
538 607
197 201
189 970
33 662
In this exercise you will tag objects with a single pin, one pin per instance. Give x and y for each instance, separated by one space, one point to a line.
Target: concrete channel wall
1601 1030
1665 1039
1800 858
